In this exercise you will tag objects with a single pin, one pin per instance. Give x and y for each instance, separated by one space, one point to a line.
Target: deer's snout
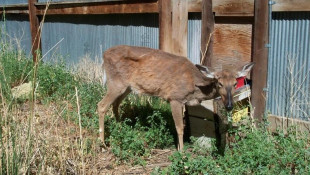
229 107
229 104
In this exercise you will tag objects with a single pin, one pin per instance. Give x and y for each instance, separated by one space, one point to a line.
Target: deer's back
152 71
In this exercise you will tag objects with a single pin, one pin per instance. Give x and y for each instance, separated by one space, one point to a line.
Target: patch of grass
256 152
55 82
16 73
132 142
14 69
90 94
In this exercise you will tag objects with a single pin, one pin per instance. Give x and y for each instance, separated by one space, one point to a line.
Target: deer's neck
207 92
202 93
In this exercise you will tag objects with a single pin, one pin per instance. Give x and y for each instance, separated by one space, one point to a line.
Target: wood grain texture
260 57
225 7
165 25
232 45
220 7
35 31
14 9
99 7
179 27
173 18
207 34
291 5
246 7
194 5
233 7
283 124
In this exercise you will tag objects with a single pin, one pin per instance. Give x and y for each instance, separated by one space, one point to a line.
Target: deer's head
226 82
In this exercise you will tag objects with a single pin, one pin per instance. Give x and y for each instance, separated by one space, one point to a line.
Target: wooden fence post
35 30
173 18
207 27
165 24
179 27
260 57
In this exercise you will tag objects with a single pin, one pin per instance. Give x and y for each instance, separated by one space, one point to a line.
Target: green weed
257 152
132 142
55 82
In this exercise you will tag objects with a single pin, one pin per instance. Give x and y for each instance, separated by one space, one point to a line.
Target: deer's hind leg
117 102
113 93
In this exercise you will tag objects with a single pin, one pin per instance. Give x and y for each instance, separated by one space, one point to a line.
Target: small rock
22 91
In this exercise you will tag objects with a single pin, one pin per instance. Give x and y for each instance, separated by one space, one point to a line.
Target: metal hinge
271 2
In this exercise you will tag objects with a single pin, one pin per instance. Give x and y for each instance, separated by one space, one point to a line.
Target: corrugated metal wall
74 37
194 37
9 2
289 65
92 34
15 29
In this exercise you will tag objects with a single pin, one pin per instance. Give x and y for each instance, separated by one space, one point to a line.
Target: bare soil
57 146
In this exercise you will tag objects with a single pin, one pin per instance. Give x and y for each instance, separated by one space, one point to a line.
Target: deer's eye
235 85
220 84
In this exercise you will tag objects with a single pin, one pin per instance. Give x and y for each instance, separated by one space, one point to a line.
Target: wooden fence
249 17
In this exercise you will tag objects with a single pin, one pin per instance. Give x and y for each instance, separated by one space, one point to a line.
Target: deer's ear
244 70
205 71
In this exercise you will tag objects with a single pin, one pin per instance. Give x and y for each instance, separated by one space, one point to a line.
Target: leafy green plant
90 94
159 134
257 152
14 69
55 81
133 142
127 143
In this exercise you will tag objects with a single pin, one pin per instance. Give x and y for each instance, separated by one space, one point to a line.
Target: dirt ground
57 145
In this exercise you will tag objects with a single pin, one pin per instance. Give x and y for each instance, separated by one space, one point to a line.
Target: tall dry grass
37 140
89 69
34 138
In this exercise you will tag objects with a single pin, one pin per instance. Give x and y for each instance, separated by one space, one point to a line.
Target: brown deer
157 73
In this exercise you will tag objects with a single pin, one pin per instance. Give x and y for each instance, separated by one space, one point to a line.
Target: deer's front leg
177 113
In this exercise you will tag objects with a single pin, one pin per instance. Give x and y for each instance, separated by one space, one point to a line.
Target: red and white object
240 82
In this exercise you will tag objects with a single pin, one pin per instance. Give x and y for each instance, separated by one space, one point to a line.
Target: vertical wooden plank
207 27
260 57
179 27
221 127
173 18
35 31
165 24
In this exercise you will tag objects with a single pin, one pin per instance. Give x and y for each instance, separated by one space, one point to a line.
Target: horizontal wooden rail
220 7
278 123
110 7
14 9
289 5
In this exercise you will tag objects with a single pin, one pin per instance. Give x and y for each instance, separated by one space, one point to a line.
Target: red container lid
240 82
